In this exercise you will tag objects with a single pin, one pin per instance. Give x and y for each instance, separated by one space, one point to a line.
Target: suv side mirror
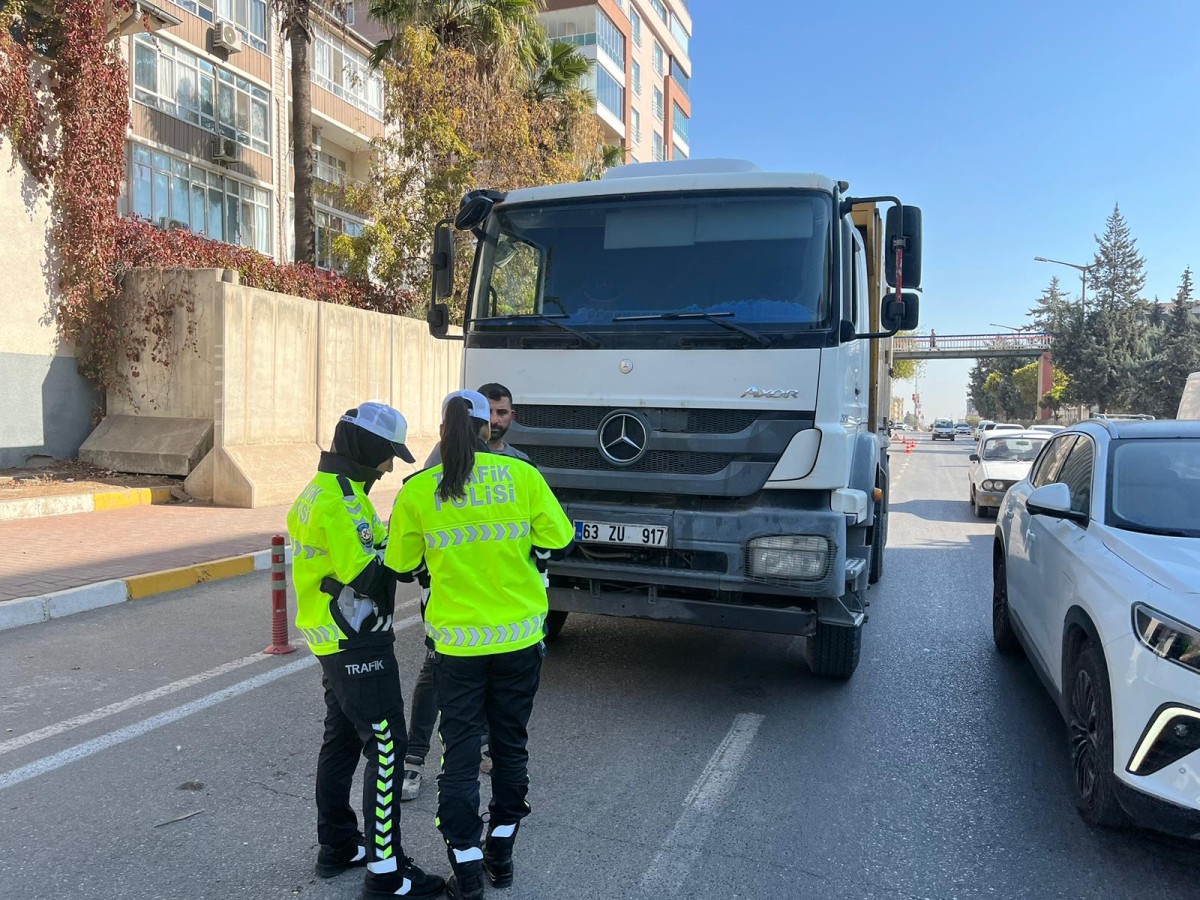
900 315
903 224
1054 501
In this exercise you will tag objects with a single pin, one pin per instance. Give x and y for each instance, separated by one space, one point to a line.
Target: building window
658 147
659 8
328 168
635 123
658 104
610 39
677 152
344 72
329 225
679 121
635 22
188 87
637 79
680 34
609 93
249 16
680 77
173 193
658 58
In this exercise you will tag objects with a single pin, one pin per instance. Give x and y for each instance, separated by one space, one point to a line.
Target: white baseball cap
480 408
383 420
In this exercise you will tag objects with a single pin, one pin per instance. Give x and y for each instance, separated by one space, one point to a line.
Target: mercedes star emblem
624 438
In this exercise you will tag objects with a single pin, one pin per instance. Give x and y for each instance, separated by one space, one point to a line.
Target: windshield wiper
716 318
549 319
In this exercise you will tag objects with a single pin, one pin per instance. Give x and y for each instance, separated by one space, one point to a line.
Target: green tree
1053 399
1105 352
500 34
1177 355
1025 387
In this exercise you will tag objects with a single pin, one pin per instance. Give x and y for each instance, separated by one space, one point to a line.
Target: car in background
980 427
1048 429
962 428
943 429
1001 460
1096 576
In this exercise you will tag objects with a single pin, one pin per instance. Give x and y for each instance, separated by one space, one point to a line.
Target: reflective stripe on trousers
486 637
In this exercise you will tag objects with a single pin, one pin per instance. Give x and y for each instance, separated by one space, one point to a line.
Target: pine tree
1051 310
1110 352
1177 356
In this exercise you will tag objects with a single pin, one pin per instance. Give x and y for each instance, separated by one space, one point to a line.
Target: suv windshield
1154 486
1012 449
753 258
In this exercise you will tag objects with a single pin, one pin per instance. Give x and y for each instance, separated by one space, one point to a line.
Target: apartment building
641 69
209 145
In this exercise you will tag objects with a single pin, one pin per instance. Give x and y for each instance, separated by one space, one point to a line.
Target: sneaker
333 861
407 881
497 854
411 786
466 881
485 760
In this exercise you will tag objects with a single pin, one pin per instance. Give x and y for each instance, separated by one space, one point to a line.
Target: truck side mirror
474 209
903 224
441 267
900 315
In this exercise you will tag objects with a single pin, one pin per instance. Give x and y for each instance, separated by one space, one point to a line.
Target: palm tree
559 69
501 32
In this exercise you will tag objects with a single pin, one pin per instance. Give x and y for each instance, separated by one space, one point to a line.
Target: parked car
1096 576
962 428
980 427
1001 460
1048 429
943 429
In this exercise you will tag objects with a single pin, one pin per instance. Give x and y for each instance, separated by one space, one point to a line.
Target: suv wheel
1089 735
1003 634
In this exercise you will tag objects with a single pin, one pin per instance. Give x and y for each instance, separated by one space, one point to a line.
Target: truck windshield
618 265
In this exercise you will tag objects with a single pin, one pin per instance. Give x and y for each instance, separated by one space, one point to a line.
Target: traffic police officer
345 598
477 520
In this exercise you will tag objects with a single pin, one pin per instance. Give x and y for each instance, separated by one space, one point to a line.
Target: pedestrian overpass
970 346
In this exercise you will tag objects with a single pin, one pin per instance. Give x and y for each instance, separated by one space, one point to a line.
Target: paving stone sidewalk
54 553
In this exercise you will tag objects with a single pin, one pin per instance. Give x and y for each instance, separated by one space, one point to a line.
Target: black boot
407 881
333 861
466 881
497 854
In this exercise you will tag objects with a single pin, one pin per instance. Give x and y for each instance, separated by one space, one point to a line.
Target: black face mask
361 446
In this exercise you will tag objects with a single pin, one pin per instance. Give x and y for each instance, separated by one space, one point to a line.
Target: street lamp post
1083 270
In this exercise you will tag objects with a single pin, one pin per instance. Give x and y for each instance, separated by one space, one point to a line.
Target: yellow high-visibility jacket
486 594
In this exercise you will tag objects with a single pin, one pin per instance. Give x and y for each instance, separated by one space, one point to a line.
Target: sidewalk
45 555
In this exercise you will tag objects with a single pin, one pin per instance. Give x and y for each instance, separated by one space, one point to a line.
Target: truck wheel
878 542
555 619
833 650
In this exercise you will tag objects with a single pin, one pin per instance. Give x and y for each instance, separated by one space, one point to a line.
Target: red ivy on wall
69 130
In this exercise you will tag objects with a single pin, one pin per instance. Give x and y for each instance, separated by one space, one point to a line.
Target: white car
1001 460
1049 429
980 427
1096 575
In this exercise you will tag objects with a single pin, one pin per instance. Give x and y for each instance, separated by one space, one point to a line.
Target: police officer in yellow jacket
477 519
345 598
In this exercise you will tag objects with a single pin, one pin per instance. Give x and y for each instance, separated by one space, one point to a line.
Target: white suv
1096 575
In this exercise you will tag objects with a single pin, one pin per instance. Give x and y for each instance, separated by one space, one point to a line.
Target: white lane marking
120 706
137 729
684 844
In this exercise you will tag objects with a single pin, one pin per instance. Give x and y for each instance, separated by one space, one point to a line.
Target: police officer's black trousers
364 714
477 692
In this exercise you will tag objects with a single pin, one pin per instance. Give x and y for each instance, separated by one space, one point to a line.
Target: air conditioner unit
225 37
226 150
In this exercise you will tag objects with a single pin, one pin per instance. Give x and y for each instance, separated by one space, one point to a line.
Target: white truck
699 352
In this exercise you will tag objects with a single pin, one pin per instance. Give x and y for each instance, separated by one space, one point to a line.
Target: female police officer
475 519
345 599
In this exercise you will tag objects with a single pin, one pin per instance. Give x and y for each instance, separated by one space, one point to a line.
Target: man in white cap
345 598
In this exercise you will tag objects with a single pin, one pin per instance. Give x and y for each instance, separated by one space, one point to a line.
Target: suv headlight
1167 638
789 557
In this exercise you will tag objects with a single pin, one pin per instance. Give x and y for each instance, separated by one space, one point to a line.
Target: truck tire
833 650
555 619
878 542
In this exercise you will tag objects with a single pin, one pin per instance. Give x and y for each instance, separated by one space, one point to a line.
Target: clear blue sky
1015 126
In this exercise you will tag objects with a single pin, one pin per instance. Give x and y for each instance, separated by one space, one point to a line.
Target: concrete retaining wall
272 374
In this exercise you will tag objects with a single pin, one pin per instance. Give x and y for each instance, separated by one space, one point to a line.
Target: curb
65 504
31 610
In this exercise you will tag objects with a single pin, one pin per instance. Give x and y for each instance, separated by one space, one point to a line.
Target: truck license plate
612 533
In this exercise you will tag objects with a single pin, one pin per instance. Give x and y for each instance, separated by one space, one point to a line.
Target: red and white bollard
279 624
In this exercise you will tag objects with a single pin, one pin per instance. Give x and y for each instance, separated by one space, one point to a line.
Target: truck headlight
790 557
1167 638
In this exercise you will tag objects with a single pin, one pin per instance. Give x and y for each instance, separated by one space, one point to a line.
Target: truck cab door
856 354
